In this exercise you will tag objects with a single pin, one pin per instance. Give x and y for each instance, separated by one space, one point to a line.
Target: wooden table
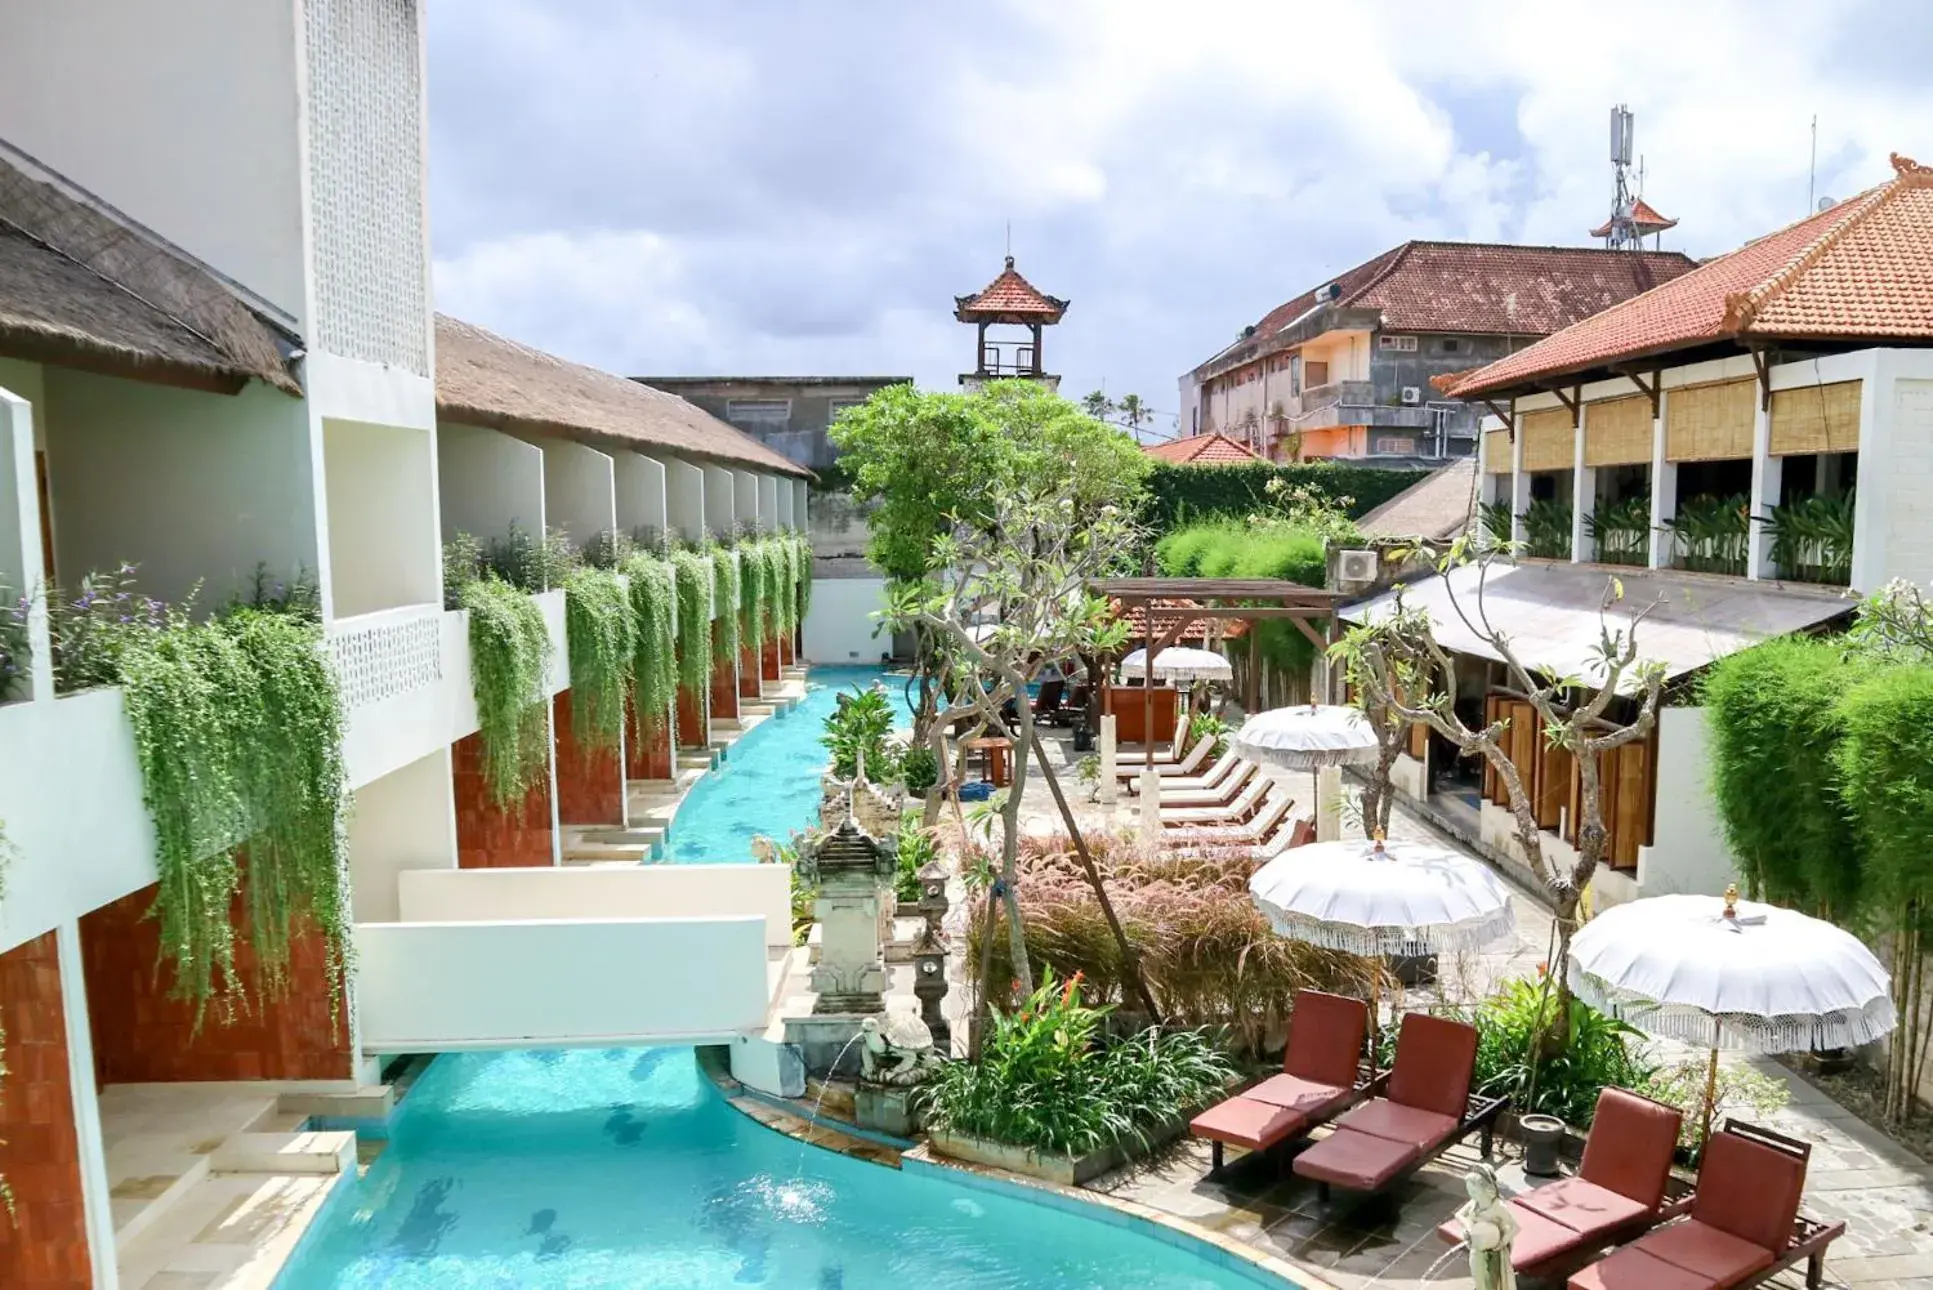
997 752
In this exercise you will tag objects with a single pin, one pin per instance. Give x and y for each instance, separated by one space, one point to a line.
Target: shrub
1243 549
13 643
509 656
1178 495
1740 1088
914 848
1208 725
862 723
1207 954
1048 1080
919 770
529 562
93 631
1601 1052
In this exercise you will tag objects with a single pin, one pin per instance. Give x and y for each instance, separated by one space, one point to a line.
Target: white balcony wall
428 987
21 557
783 488
71 799
640 495
385 550
684 499
745 499
580 493
195 488
1689 855
721 510
404 822
185 116
768 503
840 626
487 482
451 895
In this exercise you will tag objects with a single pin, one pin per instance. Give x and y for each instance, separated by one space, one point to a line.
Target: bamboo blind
1710 422
1617 432
1549 441
1496 452
1816 418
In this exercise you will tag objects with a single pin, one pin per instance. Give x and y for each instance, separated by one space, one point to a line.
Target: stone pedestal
850 976
885 1110
826 1043
1110 783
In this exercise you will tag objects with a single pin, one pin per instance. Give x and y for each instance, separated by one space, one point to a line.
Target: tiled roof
1643 216
1860 270
1434 508
1211 449
1165 616
1483 288
1009 294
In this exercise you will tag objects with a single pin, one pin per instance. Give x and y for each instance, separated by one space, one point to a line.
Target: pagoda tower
1009 301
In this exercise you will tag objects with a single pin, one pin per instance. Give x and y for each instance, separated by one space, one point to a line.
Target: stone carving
1488 1228
850 976
897 1052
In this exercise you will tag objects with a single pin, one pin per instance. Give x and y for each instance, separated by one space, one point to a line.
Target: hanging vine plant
509 656
754 596
785 583
695 578
238 729
654 641
729 639
802 556
601 635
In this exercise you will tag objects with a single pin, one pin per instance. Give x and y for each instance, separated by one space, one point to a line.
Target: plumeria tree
1403 674
1007 595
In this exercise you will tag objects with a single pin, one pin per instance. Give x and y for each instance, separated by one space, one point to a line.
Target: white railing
627 891
387 654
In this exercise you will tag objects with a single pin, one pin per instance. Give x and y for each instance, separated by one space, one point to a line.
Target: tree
1133 414
1006 595
1400 669
1098 405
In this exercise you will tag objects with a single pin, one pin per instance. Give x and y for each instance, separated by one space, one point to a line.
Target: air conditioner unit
1328 291
1412 395
1356 566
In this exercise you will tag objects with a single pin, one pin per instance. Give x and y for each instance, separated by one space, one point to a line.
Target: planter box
1068 1171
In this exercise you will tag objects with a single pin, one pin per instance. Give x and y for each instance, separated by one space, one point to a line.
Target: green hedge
1179 495
1233 549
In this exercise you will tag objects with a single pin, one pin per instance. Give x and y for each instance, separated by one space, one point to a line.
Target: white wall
183 115
487 482
745 498
22 561
451 895
768 503
405 821
425 987
685 496
783 487
580 493
71 798
384 548
640 493
799 517
1688 853
194 487
721 509
839 625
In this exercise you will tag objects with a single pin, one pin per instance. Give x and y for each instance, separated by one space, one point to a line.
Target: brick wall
724 695
489 836
143 1036
45 1246
693 730
646 756
748 686
590 781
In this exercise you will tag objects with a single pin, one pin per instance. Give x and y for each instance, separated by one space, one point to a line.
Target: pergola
1209 598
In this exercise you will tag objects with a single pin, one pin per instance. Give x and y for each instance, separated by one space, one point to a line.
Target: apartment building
1344 369
1746 449
219 357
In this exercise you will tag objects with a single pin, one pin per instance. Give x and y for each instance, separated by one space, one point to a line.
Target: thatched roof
81 286
483 379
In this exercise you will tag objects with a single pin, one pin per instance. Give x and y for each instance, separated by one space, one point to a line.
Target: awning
1554 615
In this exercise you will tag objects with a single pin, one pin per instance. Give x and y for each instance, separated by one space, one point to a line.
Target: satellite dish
1827 203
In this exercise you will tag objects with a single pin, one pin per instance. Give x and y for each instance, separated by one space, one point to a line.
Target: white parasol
1719 973
1308 736
1375 899
1178 663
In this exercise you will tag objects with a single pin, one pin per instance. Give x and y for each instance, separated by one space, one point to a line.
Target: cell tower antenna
1812 169
1621 233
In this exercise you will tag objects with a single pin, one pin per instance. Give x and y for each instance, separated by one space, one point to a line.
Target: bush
1179 495
1249 549
919 770
914 848
1048 1080
1602 1052
862 722
1207 954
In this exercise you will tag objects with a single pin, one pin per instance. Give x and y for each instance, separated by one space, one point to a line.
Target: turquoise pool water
625 1168
622 1168
769 781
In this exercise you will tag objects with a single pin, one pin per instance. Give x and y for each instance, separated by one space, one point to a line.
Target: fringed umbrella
1179 663
1720 973
1308 736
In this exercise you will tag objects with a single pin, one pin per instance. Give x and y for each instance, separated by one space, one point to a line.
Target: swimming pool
626 1168
768 782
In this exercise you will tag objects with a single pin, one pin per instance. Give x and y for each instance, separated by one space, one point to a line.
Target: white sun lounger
1163 756
1273 821
1242 808
1188 765
1222 794
1215 776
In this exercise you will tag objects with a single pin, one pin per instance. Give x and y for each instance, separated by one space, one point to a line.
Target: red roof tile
1166 613
1009 295
1861 270
1483 288
1211 449
1643 217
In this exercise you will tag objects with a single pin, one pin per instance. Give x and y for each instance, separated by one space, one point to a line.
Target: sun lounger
1259 831
1743 1227
1239 811
1169 755
1617 1193
1217 772
1426 1107
1224 794
1318 1080
1191 764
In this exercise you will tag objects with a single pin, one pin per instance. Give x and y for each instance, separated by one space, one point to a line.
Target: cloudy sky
773 186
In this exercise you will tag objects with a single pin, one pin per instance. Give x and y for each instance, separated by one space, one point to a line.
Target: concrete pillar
1583 497
684 499
744 499
768 503
721 503
640 495
1766 473
799 495
1519 481
1664 486
1110 788
1328 804
1869 506
1150 807
22 563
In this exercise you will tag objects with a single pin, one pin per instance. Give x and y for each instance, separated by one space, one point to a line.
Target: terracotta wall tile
489 836
45 1245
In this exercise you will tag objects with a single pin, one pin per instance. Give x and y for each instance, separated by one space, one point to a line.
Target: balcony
497 958
1353 403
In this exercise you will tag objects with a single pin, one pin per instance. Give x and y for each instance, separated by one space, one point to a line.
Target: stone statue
898 1052
1488 1228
